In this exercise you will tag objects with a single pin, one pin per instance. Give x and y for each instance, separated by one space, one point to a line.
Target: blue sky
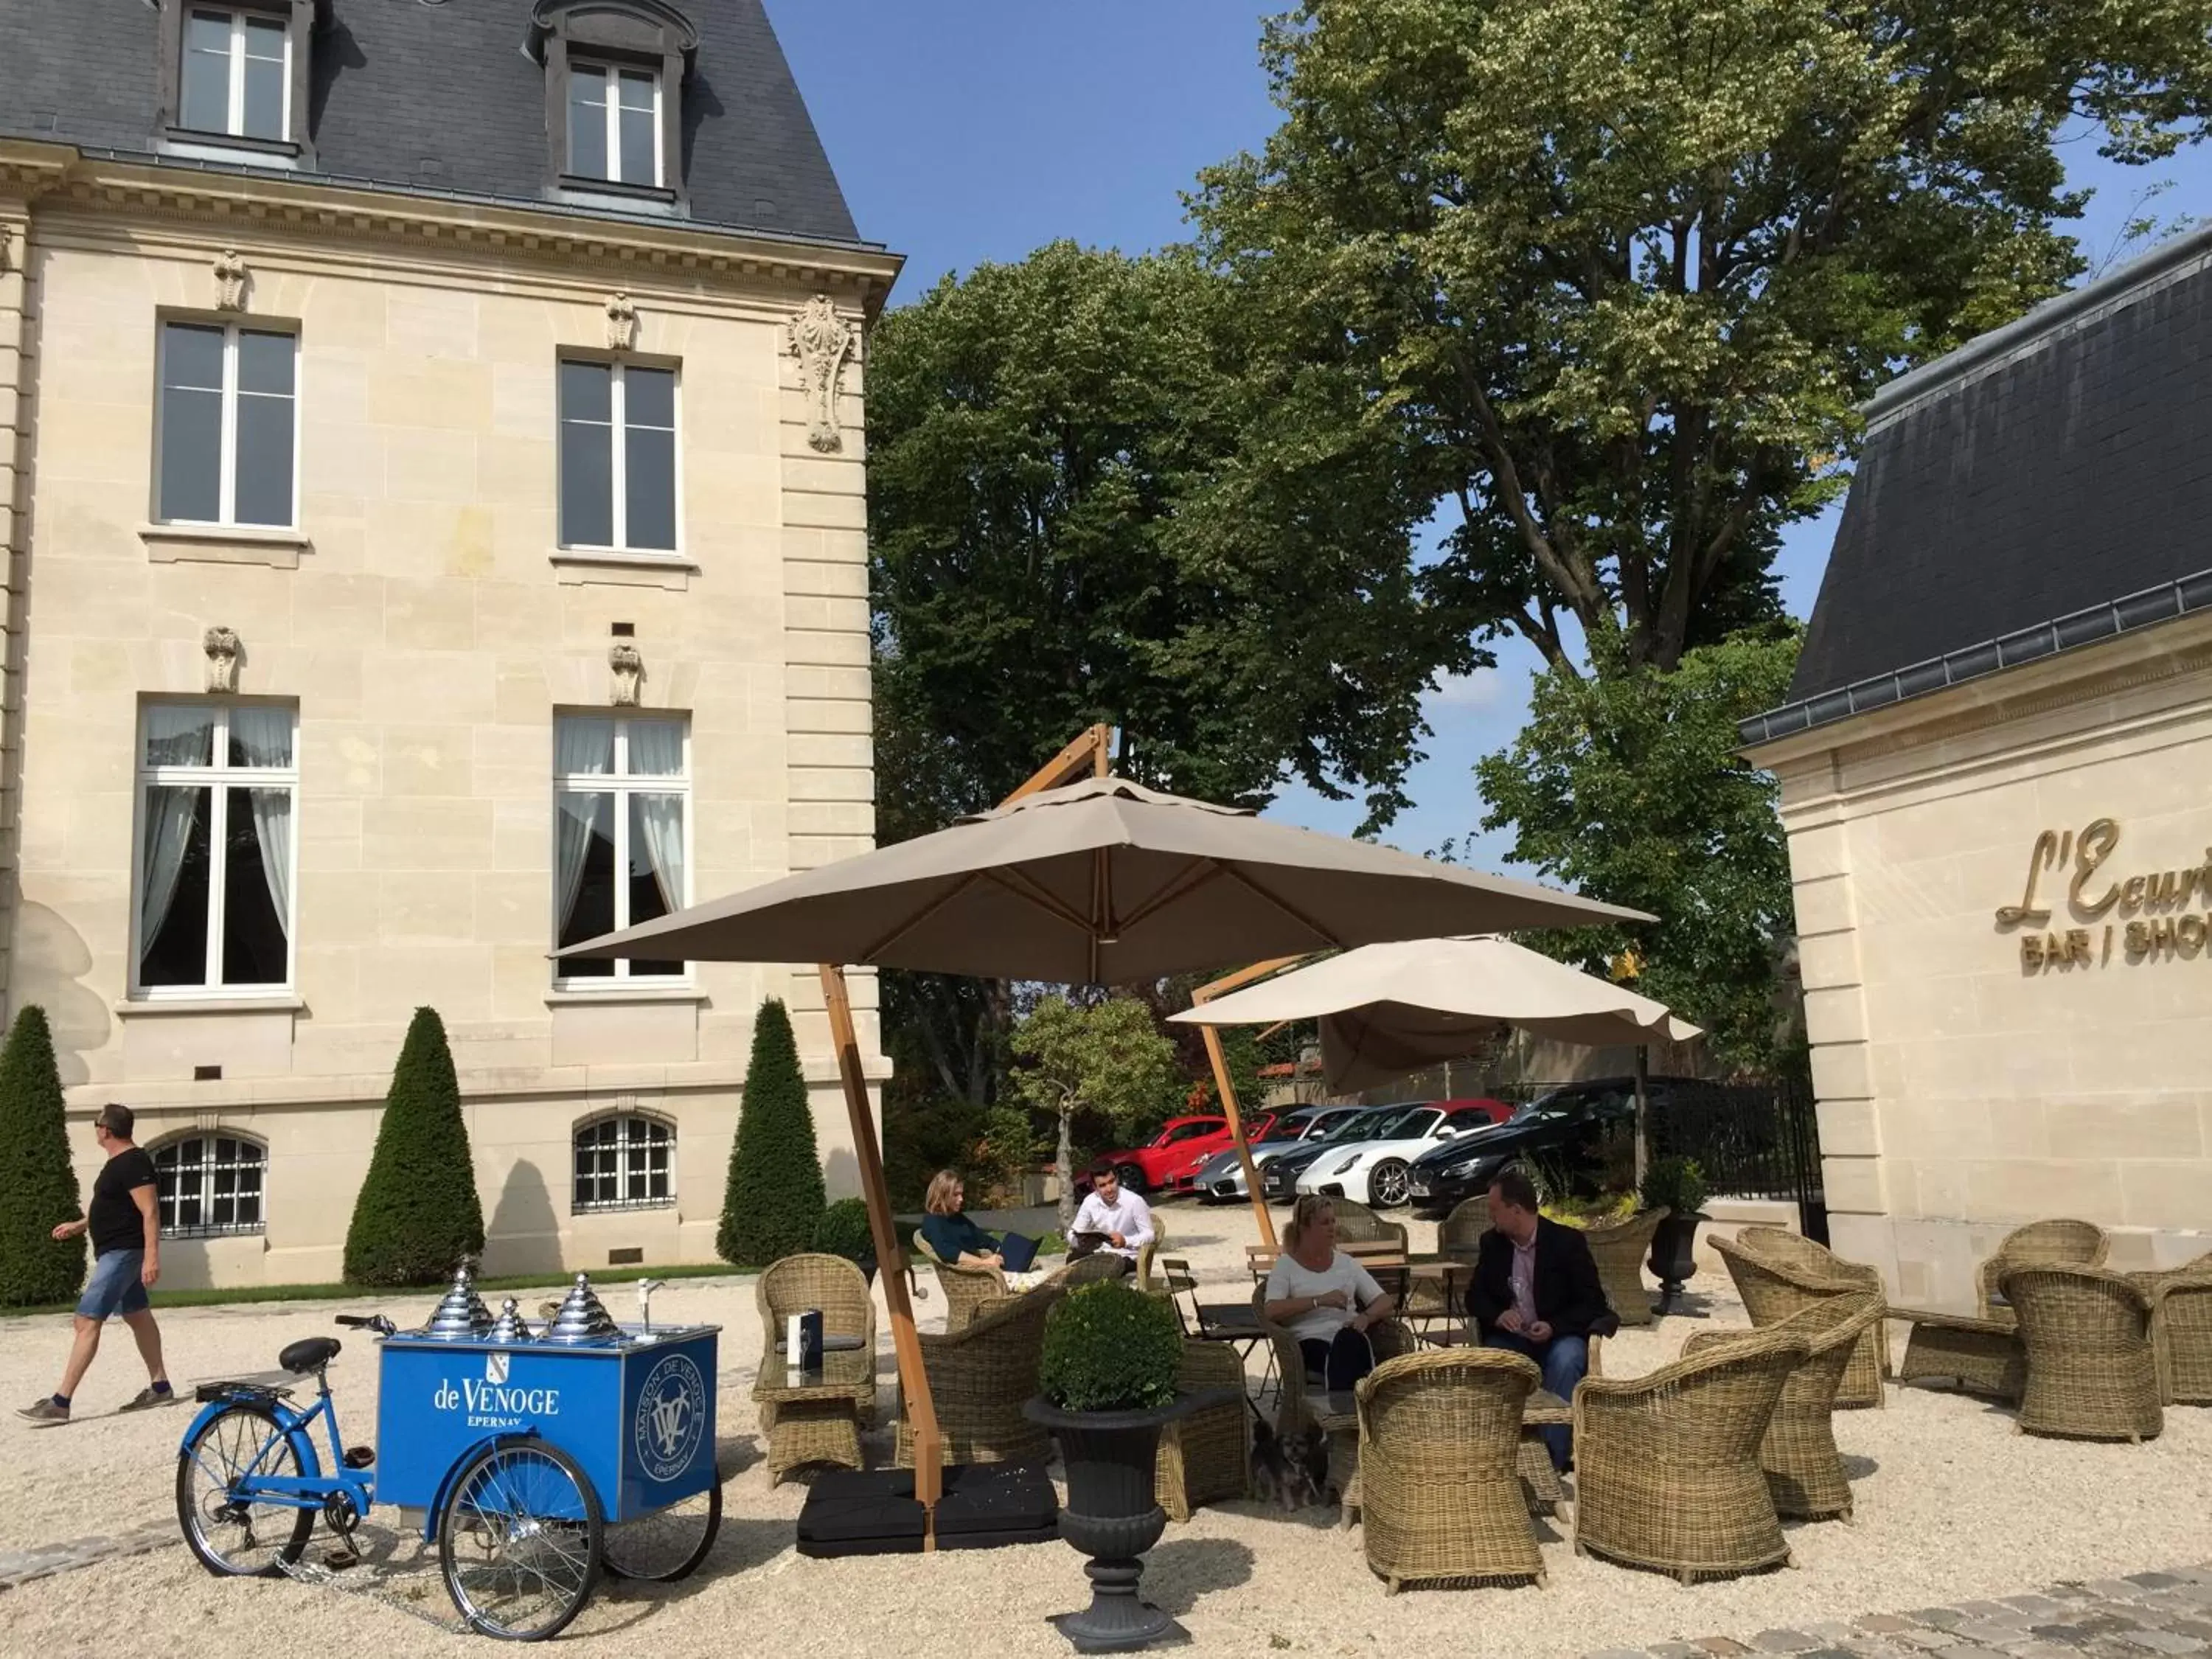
972 130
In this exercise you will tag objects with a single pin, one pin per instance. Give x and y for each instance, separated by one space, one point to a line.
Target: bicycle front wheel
520 1540
233 1532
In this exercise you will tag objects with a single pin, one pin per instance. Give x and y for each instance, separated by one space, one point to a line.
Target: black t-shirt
116 1225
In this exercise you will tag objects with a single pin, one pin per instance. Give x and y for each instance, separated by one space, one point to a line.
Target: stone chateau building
1994 771
431 477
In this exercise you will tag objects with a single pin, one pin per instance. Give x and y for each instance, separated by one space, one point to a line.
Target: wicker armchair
2091 1371
1440 1450
802 1284
1207 1455
979 1378
2069 1244
1358 1224
966 1288
2181 1330
1804 1472
1460 1234
1145 1252
1618 1251
1389 1338
1668 1470
1777 1273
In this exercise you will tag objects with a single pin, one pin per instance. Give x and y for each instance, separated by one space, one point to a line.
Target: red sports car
1170 1158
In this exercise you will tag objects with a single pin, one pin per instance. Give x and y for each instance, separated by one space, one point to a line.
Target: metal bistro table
1338 1414
812 1416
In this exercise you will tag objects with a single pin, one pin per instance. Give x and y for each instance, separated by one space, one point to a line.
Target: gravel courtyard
1953 1506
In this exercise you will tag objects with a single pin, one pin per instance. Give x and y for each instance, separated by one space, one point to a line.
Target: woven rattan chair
1618 1251
979 1378
2091 1371
1777 1272
1460 1234
2181 1330
1207 1455
802 1284
1667 1475
1440 1450
1804 1471
2039 1243
1148 1281
966 1287
1358 1224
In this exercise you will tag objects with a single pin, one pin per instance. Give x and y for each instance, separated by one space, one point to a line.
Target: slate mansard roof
440 95
2046 486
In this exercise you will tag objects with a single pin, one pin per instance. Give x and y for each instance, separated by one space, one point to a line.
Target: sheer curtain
263 737
582 748
656 750
169 816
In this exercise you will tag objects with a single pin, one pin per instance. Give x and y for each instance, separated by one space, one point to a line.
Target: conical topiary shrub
773 1200
38 1188
418 1213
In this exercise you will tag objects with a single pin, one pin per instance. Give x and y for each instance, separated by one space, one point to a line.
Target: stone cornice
607 248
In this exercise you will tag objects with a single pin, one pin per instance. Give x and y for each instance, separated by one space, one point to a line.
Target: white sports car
1373 1172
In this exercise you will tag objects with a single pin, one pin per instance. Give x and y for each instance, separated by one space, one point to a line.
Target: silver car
1222 1176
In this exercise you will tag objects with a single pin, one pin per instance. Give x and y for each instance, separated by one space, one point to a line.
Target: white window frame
619 437
611 73
624 1148
219 779
226 464
206 1172
234 109
622 783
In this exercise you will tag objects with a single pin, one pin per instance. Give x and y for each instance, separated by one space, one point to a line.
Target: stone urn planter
1112 1516
1673 1254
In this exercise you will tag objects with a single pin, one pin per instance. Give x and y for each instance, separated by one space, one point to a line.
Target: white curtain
179 734
656 750
582 748
169 816
261 738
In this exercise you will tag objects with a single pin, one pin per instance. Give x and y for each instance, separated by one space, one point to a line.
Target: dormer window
236 75
614 124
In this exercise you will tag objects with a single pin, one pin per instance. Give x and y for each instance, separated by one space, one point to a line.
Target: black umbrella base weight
875 1512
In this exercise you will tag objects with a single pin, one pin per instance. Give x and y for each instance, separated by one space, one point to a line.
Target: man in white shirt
1124 1218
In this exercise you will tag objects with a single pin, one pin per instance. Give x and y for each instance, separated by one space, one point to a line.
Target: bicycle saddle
309 1353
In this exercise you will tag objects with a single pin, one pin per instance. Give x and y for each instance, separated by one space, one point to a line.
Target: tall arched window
625 1162
209 1184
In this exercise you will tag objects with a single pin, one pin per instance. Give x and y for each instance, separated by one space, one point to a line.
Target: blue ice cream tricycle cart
532 1460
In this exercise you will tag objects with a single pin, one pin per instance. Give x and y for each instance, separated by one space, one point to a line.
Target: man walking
1123 1219
126 1259
1537 1292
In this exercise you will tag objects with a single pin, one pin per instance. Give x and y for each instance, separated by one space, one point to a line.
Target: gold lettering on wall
2156 906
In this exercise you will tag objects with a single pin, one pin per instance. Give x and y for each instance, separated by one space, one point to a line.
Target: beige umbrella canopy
1101 882
1386 1010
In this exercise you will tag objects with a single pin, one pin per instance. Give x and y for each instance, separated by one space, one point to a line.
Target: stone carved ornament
622 323
822 341
230 278
221 647
628 667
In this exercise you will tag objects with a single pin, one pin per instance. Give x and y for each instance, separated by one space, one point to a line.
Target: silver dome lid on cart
582 1318
462 1312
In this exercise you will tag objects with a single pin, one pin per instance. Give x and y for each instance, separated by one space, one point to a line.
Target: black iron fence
1750 1140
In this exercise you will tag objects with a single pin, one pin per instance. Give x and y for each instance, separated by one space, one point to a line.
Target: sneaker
147 1397
45 1413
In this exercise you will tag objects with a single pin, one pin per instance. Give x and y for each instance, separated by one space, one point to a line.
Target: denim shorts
114 1287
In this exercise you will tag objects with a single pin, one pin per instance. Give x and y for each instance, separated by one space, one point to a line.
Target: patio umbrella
1386 1010
1101 882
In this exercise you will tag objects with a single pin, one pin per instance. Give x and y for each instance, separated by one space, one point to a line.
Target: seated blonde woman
958 1240
1326 1298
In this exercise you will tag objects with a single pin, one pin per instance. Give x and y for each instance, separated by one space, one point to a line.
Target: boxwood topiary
1110 1347
417 1215
1673 1183
843 1231
36 1176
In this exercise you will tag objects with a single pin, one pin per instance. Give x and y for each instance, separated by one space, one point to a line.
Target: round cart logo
671 1415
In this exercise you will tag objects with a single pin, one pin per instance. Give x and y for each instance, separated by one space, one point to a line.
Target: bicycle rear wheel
668 1544
520 1540
234 1536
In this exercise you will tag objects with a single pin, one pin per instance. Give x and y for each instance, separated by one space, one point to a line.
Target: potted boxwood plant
1678 1185
1107 1387
843 1231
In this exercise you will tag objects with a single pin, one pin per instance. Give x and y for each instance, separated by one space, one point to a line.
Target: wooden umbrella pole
1211 1037
914 1380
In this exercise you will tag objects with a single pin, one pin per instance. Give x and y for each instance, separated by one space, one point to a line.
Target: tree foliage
418 1213
1107 1057
773 1200
1612 276
1626 785
37 1186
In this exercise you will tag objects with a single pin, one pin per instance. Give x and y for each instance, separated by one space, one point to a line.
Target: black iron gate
1750 1140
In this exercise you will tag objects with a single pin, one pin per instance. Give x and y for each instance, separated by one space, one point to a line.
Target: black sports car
1570 1128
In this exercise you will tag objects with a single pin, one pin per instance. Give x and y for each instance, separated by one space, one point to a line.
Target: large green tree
1072 522
1613 275
1627 782
1106 1057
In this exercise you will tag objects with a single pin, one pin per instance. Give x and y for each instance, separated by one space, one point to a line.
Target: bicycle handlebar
376 1322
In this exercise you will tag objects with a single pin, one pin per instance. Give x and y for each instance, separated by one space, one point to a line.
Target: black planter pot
1112 1517
1673 1254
